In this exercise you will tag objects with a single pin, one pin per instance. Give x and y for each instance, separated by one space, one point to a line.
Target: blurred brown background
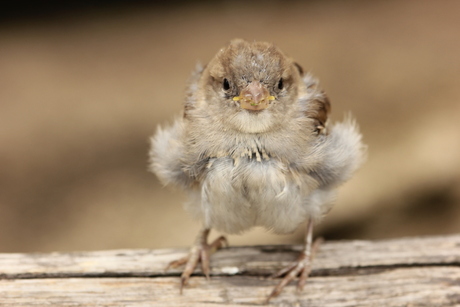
82 88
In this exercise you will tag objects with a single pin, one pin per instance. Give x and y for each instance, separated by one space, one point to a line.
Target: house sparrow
253 148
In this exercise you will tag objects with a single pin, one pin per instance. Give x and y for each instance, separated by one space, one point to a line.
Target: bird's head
250 86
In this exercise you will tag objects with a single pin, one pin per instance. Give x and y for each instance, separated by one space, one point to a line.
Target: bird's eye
280 84
225 85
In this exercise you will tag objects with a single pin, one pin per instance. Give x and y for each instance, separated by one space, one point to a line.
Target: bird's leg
201 250
300 267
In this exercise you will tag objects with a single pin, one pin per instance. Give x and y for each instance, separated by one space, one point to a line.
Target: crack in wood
345 271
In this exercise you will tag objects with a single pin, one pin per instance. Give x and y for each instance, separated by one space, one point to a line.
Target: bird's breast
239 194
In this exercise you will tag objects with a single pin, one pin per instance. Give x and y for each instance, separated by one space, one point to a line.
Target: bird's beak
254 97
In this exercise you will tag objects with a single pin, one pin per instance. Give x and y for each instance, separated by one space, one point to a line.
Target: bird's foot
201 251
300 267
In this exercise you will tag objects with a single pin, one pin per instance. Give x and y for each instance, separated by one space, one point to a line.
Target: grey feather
243 169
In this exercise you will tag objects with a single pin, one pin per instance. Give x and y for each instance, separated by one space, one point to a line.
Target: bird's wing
317 104
190 99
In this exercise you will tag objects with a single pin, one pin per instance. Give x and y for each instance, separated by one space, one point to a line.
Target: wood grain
401 272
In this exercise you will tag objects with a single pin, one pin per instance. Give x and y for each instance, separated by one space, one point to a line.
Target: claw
176 263
218 243
300 267
284 270
201 251
292 271
204 255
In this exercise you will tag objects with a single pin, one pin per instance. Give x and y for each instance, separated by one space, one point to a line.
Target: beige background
81 93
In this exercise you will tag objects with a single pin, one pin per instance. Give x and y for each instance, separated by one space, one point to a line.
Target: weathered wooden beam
401 272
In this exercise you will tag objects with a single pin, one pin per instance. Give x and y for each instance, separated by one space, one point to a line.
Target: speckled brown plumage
254 148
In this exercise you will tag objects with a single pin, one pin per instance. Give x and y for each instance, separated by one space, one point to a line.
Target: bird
254 147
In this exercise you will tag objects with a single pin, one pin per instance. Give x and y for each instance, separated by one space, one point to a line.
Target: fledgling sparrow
253 148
